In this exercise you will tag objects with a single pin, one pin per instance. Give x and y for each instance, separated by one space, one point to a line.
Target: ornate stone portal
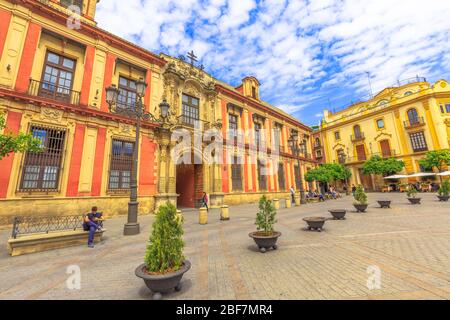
184 78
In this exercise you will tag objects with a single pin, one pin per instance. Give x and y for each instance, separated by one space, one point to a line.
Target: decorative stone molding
52 115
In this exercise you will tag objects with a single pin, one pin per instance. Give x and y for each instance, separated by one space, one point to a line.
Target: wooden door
385 148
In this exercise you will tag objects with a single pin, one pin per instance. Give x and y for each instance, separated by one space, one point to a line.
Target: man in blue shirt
92 223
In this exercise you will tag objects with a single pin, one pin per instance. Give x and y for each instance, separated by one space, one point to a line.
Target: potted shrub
384 203
164 264
338 214
265 238
360 199
412 196
444 191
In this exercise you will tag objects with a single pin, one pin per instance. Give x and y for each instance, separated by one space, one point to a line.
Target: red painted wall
147 185
12 126
75 161
98 162
5 19
87 77
148 91
26 62
109 69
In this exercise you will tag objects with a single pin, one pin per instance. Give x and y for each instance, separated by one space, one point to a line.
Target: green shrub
265 218
444 190
360 195
412 192
165 250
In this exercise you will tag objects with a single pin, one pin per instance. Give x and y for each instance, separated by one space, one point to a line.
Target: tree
21 142
382 166
328 172
265 218
165 250
436 159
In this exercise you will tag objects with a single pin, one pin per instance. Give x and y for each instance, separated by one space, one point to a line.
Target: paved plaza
409 244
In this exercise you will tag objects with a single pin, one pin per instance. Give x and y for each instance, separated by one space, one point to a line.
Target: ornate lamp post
293 144
343 160
137 112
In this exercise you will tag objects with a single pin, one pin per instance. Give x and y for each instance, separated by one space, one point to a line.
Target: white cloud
302 51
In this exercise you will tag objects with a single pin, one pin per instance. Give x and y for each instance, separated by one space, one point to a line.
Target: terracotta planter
315 223
415 200
384 203
338 214
443 198
361 207
159 284
265 243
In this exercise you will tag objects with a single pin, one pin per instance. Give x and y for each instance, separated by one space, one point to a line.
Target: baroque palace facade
403 121
53 76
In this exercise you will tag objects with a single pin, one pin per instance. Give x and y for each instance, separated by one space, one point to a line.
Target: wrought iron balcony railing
53 91
357 137
415 122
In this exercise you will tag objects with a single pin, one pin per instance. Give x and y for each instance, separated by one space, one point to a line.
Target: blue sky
309 55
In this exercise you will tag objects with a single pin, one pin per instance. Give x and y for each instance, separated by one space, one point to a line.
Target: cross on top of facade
192 57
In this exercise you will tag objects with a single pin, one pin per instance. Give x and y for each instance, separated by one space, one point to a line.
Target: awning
422 174
397 176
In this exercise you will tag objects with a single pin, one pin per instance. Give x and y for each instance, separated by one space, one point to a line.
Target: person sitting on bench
92 222
319 195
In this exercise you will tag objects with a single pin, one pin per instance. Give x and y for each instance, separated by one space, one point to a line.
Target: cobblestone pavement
410 245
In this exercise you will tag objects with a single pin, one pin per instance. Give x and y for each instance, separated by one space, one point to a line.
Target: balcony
385 154
317 146
54 92
414 123
357 137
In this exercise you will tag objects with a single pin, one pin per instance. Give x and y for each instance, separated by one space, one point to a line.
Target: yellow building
54 68
404 122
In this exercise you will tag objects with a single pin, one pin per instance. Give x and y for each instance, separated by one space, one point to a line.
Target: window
262 178
357 131
190 110
413 117
341 156
253 92
233 127
236 175
68 3
41 171
318 154
442 108
418 141
337 136
257 135
408 93
277 136
127 93
281 180
380 124
121 165
298 181
317 142
57 77
447 108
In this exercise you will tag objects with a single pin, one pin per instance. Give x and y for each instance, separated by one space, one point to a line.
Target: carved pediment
339 145
383 135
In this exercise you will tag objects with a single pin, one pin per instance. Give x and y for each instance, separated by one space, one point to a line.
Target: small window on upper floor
442 108
380 124
447 108
408 93
337 135
253 92
68 3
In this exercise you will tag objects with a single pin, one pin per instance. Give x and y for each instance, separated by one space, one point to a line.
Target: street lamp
293 144
137 112
343 160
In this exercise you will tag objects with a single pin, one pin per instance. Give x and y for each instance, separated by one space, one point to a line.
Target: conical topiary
165 251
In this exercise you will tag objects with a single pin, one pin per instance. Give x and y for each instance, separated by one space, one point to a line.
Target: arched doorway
189 183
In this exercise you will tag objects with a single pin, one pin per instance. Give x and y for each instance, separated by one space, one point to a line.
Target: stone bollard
179 216
203 216
288 203
224 213
276 204
297 200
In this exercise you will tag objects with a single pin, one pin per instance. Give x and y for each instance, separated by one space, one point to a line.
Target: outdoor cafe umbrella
422 174
397 176
446 173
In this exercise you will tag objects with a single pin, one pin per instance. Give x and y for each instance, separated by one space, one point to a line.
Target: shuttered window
121 165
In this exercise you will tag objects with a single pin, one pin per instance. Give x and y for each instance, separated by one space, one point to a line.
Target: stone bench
32 234
49 241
